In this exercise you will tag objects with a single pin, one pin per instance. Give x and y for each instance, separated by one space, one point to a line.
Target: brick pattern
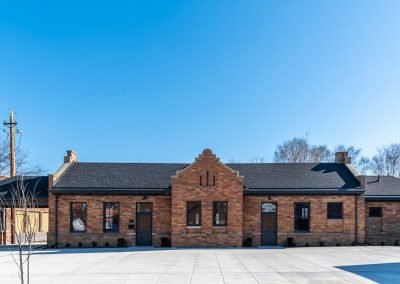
385 229
161 225
330 232
186 187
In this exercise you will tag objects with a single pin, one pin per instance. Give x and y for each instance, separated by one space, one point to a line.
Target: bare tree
387 161
297 150
20 203
257 160
292 151
319 154
23 167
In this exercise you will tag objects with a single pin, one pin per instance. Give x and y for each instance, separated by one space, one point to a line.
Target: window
213 180
207 177
78 216
2 220
302 216
335 210
201 180
220 213
111 217
193 213
375 211
144 207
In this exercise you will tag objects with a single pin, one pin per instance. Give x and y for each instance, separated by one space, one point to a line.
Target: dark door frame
151 222
276 220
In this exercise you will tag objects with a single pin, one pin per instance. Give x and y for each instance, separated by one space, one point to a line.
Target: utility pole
11 124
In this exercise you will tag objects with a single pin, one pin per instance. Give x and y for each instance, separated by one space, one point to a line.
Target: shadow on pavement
380 273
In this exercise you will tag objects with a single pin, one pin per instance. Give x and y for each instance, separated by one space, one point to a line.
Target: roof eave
382 197
268 191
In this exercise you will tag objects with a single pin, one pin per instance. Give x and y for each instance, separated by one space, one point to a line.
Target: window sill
111 232
193 226
302 232
335 219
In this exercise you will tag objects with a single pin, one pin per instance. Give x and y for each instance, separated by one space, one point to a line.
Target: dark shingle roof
118 175
382 187
296 176
258 178
37 184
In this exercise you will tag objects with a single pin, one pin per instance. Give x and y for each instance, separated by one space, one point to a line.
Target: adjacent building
13 219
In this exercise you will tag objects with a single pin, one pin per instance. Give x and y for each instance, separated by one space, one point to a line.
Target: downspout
56 223
356 220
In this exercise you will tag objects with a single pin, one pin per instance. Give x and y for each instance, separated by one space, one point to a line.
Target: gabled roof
258 178
382 187
37 184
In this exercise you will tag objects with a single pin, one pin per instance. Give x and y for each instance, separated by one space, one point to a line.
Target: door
268 224
144 215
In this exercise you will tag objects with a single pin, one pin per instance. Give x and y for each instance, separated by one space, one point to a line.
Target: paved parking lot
132 265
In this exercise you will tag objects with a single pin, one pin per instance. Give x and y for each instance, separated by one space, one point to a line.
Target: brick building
209 203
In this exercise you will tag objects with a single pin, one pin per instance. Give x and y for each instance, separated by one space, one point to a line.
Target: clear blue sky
158 81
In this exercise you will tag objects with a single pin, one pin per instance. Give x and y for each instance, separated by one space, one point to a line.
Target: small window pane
144 207
302 216
193 213
111 216
220 216
78 216
268 207
335 210
375 211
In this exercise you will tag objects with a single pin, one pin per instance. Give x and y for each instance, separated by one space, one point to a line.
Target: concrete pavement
135 265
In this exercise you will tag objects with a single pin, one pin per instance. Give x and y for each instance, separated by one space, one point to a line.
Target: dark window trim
213 214
334 217
375 207
70 218
104 217
187 214
309 217
3 220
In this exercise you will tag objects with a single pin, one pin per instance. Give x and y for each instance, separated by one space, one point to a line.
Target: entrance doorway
268 224
144 216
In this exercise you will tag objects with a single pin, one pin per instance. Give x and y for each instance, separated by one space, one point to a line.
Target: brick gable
186 187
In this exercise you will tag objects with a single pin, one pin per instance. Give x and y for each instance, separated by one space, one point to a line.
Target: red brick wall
161 226
384 230
186 187
330 232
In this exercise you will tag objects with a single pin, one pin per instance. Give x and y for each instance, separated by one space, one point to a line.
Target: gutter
111 191
382 197
301 191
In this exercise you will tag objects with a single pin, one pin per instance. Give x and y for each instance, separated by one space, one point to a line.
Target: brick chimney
71 157
342 158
